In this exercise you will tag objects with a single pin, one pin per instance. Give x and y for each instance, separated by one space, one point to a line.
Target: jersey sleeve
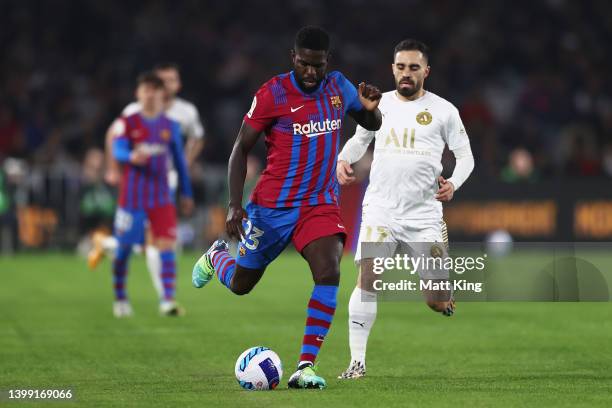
356 146
261 115
455 135
130 109
349 93
195 129
121 143
178 156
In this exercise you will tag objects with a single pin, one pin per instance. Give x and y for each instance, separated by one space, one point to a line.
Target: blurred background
531 82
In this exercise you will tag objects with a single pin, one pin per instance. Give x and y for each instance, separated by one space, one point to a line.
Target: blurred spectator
519 168
97 201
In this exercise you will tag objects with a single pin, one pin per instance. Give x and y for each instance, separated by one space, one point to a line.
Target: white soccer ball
499 243
259 368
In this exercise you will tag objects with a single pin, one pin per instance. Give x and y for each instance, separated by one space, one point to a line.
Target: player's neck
150 113
412 97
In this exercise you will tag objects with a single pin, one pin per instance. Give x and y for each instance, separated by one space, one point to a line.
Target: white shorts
423 238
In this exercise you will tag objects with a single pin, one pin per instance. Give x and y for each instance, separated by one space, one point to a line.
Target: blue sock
122 254
225 266
168 273
320 312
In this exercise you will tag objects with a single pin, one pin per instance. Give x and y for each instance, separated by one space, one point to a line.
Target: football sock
154 265
225 265
168 273
362 314
122 254
320 313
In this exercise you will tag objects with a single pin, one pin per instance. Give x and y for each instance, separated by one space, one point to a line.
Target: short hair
162 66
149 78
312 38
412 45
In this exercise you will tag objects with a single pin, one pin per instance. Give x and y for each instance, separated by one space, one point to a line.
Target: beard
407 92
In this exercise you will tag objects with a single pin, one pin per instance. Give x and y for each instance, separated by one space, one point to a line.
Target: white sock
362 314
154 267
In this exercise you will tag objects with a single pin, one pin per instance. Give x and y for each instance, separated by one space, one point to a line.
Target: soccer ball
259 368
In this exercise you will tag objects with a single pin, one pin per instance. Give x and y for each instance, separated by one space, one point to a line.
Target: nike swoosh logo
296 109
340 226
361 324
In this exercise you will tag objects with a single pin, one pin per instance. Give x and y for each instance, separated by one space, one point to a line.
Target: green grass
57 331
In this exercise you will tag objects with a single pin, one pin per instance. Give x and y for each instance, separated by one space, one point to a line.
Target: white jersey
182 111
407 155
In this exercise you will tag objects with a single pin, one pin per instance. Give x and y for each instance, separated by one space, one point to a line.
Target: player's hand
139 157
345 173
187 205
233 222
369 96
111 176
446 191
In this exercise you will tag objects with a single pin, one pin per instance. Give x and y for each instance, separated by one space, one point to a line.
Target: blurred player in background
143 144
186 114
301 114
403 202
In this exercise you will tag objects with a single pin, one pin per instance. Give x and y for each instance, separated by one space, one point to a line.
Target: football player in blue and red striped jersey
296 198
143 144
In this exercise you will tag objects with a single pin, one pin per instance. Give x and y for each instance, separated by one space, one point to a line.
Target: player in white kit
186 114
403 202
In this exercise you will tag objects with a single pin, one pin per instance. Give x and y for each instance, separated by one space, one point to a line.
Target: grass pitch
57 331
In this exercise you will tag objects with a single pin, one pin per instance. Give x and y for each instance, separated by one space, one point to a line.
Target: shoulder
131 109
338 78
278 81
185 106
442 104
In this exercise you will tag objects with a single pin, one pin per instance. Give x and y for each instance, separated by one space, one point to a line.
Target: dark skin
323 255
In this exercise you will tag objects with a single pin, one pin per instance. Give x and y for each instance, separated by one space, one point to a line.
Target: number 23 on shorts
251 235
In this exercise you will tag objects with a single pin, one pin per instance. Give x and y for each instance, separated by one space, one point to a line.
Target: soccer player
403 202
186 114
143 144
296 198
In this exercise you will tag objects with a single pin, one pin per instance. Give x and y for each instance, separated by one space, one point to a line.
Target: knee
329 274
241 290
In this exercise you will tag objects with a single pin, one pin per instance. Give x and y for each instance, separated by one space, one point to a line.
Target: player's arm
463 168
121 149
195 139
459 143
178 157
369 116
353 150
247 137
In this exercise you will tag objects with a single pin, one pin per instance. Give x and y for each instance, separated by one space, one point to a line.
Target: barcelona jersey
302 135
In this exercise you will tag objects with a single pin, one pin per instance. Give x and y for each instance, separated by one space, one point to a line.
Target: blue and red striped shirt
302 137
146 186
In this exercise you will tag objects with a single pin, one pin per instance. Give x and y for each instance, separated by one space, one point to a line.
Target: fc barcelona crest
165 134
336 102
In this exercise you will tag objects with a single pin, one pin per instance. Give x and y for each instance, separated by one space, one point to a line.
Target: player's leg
154 262
363 306
431 240
162 223
319 237
267 233
129 230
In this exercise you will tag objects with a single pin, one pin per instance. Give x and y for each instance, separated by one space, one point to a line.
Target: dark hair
312 38
150 78
412 45
162 66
